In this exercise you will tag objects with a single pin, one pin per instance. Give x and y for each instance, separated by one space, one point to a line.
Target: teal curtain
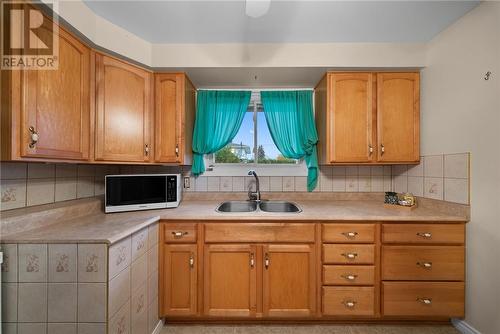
219 115
289 116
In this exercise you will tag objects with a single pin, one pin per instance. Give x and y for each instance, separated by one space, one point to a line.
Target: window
253 144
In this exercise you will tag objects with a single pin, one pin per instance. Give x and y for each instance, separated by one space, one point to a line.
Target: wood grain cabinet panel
351 117
259 232
174 118
348 275
289 277
348 233
180 232
123 111
423 233
423 263
398 115
348 301
368 117
230 280
55 105
348 254
431 299
179 280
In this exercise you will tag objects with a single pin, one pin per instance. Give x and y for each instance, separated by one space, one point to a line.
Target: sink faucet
254 196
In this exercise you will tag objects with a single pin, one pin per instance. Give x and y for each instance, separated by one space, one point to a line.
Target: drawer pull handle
350 256
349 277
349 303
350 235
425 235
191 261
179 234
425 301
426 265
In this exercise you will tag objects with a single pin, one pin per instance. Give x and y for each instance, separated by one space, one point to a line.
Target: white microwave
142 192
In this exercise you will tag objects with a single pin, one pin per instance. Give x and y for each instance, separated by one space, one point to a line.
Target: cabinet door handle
382 149
252 260
178 234
33 137
370 149
426 265
349 303
350 235
350 256
177 150
267 262
191 261
349 277
425 235
146 149
425 301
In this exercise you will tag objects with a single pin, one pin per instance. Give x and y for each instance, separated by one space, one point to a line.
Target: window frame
239 169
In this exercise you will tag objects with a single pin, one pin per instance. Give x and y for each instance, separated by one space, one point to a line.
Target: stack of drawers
423 270
349 269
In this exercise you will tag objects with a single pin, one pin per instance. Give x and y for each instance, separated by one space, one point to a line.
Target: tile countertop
110 228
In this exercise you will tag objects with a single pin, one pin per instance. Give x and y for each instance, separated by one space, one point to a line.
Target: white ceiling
287 21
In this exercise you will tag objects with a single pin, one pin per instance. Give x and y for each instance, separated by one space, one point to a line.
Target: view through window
253 143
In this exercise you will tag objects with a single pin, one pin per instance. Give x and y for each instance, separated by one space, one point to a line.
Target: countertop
99 227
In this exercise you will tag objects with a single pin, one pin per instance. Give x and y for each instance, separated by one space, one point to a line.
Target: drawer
259 232
423 233
348 275
436 299
354 254
346 233
348 300
179 232
423 263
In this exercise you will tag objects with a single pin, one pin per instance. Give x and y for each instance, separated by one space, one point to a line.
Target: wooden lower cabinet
289 286
180 280
230 282
217 271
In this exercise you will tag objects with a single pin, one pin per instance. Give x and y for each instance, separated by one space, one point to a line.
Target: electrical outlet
187 182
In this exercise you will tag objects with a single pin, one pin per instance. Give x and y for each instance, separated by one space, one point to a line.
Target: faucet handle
252 195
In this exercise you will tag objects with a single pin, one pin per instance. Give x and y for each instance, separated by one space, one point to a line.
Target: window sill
261 170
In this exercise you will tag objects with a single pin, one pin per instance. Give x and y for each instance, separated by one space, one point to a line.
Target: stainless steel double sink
264 206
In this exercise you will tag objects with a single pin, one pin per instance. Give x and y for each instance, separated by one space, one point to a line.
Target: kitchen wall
461 113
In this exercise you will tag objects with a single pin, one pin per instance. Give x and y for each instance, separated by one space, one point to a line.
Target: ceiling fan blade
257 8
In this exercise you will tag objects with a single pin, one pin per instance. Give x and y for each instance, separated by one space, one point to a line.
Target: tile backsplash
443 177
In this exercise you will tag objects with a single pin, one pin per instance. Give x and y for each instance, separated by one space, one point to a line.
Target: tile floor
311 329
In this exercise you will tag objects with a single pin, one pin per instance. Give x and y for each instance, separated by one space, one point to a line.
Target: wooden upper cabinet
366 117
398 116
289 280
351 115
179 279
230 280
53 105
174 118
123 130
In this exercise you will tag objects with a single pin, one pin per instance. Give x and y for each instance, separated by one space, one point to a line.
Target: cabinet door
179 280
123 106
56 105
230 280
398 109
289 280
169 96
351 117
